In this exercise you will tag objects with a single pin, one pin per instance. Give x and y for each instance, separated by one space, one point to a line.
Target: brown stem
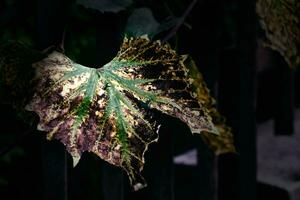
180 22
62 44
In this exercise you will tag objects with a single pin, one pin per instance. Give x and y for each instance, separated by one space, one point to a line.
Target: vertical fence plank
54 171
201 43
246 135
112 180
207 50
284 107
51 15
237 174
205 183
159 169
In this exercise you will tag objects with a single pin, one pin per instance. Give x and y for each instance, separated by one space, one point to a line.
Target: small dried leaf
281 21
110 111
222 143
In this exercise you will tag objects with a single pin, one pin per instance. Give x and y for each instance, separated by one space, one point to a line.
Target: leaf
110 111
280 19
113 6
16 73
222 143
15 67
142 22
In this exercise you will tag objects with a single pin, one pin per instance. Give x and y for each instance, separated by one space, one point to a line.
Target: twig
59 46
9 147
180 22
62 43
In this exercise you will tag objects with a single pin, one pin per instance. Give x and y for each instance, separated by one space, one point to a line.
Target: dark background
251 85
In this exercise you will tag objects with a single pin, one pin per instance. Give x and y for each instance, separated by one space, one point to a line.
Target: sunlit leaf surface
110 110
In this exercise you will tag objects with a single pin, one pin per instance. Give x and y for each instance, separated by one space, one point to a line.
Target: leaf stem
62 43
180 22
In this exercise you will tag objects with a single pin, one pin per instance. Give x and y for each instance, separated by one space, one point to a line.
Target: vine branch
62 43
180 22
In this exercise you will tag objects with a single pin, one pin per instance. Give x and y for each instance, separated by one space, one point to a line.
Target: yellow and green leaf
280 20
110 111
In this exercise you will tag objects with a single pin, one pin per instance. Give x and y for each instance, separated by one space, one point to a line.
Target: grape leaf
16 74
142 22
280 20
110 110
223 142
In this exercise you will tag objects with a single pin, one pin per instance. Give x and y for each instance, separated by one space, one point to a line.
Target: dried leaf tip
75 160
